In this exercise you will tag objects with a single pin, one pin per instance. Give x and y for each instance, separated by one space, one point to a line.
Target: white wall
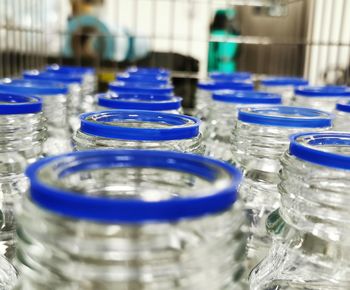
329 23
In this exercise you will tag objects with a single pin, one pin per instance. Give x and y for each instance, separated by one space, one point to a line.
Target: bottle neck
315 199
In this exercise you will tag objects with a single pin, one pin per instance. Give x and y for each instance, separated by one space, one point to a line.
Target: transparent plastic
55 111
74 253
310 231
256 150
223 116
85 141
287 92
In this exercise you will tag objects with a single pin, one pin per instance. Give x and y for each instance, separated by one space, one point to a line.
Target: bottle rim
139 101
52 76
69 69
146 88
222 76
308 147
323 91
179 126
246 97
285 116
33 87
283 81
19 104
107 209
148 71
148 79
225 85
343 106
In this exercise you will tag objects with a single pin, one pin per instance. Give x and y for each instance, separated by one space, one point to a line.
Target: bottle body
310 233
55 111
341 121
287 92
82 141
163 249
326 103
218 133
260 137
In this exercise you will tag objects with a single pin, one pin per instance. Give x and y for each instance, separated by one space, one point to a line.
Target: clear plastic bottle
74 82
227 77
22 133
128 219
321 98
284 86
139 101
130 129
54 96
205 90
88 86
342 113
310 230
223 115
259 139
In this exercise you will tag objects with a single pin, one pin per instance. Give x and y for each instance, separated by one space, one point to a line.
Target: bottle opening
139 125
133 185
331 149
285 116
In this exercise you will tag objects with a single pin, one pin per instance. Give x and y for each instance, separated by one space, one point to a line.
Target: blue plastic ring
132 211
145 88
326 91
317 156
18 104
32 87
53 76
246 97
140 102
343 106
148 79
219 76
284 81
285 116
233 85
180 126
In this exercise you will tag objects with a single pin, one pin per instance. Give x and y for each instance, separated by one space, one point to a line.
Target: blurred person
221 55
89 37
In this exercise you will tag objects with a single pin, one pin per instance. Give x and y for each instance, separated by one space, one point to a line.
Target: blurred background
308 38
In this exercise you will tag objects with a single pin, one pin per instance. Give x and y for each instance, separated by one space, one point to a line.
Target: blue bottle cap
145 88
285 116
130 101
133 210
330 149
246 97
239 75
233 85
68 69
325 91
32 87
105 124
149 71
53 76
135 78
17 104
284 81
343 106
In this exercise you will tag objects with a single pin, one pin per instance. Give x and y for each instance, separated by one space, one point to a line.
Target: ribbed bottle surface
128 220
310 230
259 139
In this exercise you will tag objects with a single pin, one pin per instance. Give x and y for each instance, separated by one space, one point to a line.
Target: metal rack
285 37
